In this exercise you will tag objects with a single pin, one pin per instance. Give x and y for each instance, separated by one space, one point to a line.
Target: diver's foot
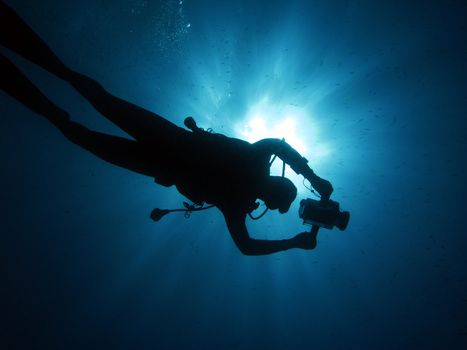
323 187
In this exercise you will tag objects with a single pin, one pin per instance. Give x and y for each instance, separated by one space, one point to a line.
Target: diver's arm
285 152
249 246
298 163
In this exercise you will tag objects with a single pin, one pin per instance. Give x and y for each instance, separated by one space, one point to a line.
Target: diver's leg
16 35
141 124
15 84
116 150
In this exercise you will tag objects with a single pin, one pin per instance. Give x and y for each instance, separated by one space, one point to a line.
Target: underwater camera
324 214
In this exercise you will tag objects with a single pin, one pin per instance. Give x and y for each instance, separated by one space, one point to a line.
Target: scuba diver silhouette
205 167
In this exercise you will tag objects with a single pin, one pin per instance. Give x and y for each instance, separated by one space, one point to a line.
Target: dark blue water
375 95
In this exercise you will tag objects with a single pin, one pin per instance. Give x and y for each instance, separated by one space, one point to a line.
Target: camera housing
324 214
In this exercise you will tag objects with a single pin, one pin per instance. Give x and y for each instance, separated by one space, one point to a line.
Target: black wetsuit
205 167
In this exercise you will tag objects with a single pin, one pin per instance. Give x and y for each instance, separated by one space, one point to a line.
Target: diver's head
278 193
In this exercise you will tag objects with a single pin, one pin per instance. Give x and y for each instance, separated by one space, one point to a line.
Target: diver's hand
326 190
304 240
323 186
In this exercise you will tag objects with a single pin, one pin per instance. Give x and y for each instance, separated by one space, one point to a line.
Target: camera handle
314 229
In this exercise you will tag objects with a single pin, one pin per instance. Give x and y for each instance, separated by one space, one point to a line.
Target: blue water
377 92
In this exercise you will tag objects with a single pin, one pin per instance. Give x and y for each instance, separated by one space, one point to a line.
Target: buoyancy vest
218 169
